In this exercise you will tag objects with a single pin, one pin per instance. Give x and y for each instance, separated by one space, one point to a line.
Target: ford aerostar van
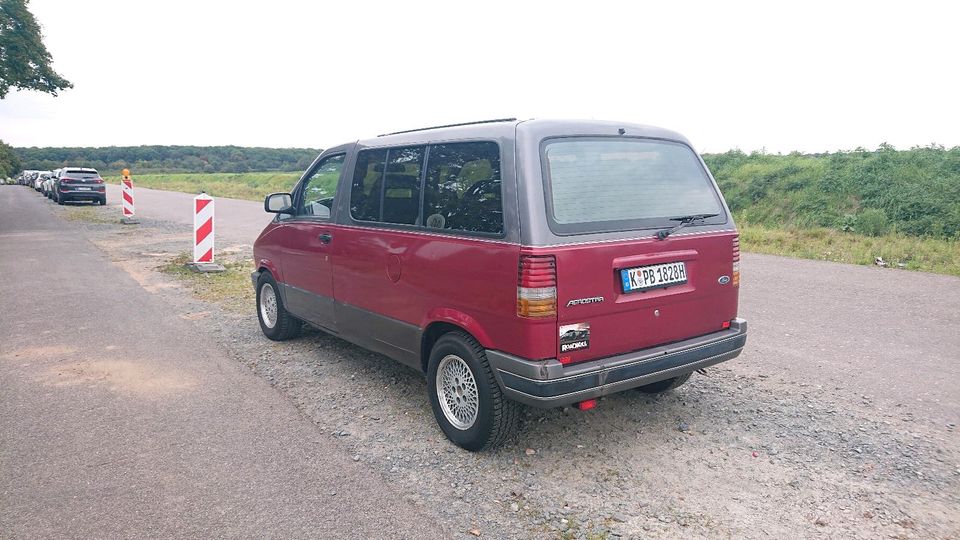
538 262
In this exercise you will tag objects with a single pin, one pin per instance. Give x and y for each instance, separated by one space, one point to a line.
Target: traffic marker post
126 194
203 235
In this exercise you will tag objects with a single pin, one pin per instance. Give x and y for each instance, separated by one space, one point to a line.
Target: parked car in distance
79 184
26 177
37 179
539 262
42 176
47 186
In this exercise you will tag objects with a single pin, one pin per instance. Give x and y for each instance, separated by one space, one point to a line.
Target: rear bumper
548 383
82 195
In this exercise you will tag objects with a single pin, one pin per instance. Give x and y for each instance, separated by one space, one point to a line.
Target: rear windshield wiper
684 221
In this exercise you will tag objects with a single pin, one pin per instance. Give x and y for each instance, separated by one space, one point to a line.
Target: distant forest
169 159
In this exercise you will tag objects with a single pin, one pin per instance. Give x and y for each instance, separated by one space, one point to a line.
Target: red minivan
537 262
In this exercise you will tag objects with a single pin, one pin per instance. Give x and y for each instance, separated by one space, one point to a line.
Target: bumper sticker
574 337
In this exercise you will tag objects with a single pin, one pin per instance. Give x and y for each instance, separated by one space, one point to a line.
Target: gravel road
839 420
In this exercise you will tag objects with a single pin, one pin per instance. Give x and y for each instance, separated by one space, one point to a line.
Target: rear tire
665 385
103 201
60 201
275 321
466 399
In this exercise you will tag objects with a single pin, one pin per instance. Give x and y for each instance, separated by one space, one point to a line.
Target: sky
775 76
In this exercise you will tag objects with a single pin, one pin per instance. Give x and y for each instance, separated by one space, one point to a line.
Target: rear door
619 296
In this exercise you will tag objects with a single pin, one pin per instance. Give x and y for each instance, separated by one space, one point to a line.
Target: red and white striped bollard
203 229
126 195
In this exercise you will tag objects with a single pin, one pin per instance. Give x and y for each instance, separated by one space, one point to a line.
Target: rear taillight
98 181
736 261
537 286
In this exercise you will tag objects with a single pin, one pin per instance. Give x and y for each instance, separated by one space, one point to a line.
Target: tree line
168 159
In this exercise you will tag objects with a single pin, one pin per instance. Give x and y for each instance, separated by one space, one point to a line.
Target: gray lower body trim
397 339
314 308
547 383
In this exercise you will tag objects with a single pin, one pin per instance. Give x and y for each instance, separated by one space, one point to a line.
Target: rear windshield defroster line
607 184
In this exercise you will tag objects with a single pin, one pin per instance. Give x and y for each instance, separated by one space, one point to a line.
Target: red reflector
586 405
565 360
725 325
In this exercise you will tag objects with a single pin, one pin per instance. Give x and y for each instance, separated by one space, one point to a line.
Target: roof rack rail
449 125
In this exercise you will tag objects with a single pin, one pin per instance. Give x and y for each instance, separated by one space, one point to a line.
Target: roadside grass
913 253
90 214
231 289
253 186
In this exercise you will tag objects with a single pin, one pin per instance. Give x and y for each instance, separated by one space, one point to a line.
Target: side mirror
278 203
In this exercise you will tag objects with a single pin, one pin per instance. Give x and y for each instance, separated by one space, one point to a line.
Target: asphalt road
118 419
888 334
236 221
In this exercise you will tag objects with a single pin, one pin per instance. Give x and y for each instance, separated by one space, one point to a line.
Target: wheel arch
442 321
269 266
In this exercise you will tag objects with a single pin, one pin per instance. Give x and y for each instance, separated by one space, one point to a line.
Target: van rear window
604 184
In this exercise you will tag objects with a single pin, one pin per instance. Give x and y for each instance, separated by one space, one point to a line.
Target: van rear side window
462 191
461 188
604 184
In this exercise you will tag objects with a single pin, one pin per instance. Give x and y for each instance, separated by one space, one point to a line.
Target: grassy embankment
852 207
849 207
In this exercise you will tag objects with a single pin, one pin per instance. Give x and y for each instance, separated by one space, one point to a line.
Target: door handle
326 238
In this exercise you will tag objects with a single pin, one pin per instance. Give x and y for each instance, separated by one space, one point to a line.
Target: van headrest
391 167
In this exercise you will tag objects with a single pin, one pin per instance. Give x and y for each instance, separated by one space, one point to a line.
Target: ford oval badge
723 280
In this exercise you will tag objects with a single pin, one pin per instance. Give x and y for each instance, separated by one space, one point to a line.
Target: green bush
872 222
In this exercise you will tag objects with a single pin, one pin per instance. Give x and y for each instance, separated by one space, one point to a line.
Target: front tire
665 385
275 321
466 399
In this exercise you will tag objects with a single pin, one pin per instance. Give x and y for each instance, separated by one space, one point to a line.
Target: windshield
605 184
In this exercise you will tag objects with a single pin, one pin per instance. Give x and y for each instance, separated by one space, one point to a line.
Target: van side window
462 190
367 183
386 185
401 186
320 187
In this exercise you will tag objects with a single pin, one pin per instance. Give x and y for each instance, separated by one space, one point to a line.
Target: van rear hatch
676 276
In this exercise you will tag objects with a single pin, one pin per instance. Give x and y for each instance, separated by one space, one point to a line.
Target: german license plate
83 189
655 276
